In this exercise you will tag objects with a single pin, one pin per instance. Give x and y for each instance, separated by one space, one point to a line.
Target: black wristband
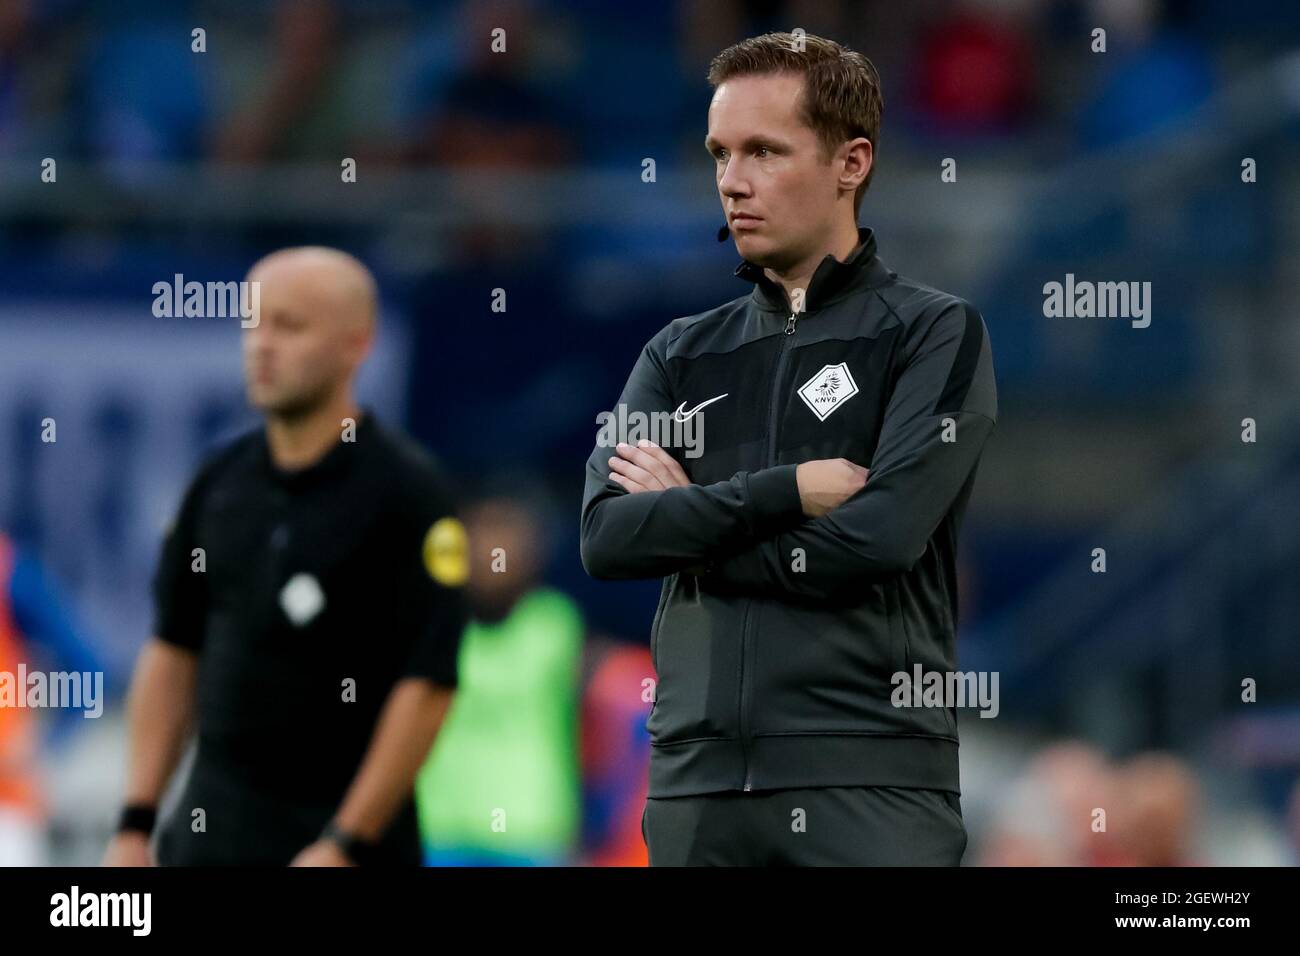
137 817
359 851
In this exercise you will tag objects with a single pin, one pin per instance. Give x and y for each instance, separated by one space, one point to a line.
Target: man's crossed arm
683 525
643 518
822 485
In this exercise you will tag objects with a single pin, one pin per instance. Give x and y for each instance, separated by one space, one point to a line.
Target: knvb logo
828 390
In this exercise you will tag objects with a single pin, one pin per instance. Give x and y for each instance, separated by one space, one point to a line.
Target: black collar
333 462
832 280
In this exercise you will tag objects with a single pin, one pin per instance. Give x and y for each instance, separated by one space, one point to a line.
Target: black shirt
314 592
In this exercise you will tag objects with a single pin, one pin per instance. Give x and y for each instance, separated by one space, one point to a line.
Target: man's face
770 166
506 525
300 350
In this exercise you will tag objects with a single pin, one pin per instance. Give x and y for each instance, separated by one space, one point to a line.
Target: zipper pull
789 324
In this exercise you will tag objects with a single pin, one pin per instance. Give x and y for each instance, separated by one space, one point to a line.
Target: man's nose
734 182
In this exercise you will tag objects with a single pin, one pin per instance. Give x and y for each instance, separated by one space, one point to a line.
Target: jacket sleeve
941 412
656 533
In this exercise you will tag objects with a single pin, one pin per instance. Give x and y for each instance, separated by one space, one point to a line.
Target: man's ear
857 156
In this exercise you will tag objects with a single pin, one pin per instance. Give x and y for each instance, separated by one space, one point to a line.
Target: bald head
316 319
330 279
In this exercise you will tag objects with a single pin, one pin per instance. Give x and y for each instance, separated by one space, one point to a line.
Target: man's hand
824 484
646 467
128 848
827 483
322 853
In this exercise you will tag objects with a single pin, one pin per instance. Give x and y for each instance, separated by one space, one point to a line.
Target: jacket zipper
771 462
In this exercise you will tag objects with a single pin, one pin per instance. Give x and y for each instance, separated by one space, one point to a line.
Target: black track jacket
776 635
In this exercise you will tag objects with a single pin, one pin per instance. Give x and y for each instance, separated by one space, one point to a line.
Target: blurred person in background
17 45
1047 816
988 41
33 617
615 750
309 609
502 786
1074 807
488 116
1156 807
1156 74
305 39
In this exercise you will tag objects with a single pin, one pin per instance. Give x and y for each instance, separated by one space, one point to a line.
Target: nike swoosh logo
680 416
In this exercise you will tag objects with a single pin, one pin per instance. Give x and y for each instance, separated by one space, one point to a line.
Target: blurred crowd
416 81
